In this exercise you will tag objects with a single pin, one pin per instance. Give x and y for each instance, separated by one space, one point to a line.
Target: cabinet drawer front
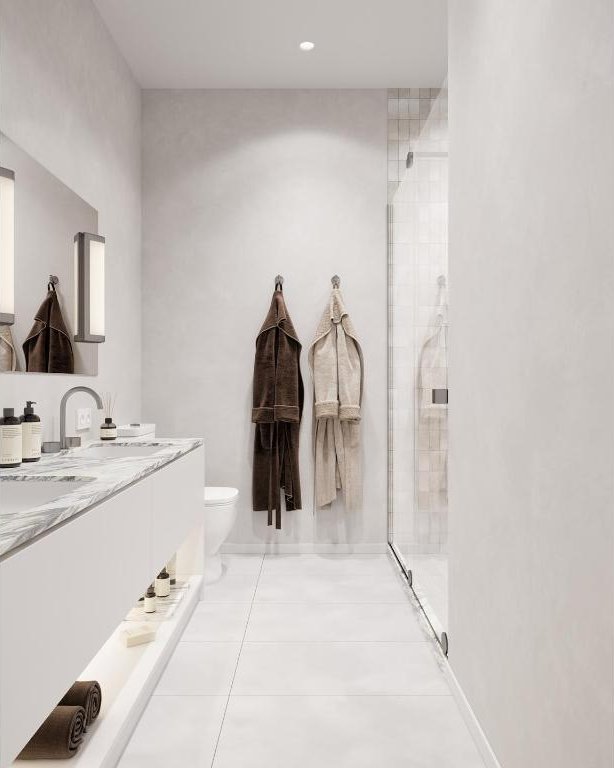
177 505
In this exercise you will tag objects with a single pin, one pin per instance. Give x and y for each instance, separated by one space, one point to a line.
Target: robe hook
279 281
53 281
336 281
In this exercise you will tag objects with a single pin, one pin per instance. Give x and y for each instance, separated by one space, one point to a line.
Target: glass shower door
418 361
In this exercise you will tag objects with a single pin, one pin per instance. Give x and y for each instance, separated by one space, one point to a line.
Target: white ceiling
254 43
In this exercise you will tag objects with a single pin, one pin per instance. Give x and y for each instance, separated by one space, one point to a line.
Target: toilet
220 516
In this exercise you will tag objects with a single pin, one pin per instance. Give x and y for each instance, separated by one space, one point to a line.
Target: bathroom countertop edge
103 479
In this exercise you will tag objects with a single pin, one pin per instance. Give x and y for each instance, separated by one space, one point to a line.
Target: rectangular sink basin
117 451
21 495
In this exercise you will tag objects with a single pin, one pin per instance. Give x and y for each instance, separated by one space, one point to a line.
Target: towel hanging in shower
336 362
432 375
277 411
433 362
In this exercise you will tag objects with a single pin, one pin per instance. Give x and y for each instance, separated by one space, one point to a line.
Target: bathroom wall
531 376
238 186
68 99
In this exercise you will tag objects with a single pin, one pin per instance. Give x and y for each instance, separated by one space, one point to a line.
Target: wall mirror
47 216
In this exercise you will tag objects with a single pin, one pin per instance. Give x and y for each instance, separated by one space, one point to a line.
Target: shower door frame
438 633
389 397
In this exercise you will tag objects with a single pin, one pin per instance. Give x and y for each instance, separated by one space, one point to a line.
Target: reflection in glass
418 355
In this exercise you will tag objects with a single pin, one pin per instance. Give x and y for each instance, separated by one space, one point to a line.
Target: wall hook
53 281
336 281
279 281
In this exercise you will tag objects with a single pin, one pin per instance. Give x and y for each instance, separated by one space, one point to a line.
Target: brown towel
59 737
48 348
86 694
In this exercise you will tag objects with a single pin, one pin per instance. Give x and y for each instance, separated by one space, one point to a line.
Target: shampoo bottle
171 567
150 600
163 584
30 434
10 439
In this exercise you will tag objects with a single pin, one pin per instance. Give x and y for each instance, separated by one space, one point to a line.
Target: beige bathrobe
8 354
336 363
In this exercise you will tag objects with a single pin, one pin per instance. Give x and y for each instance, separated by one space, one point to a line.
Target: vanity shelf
128 677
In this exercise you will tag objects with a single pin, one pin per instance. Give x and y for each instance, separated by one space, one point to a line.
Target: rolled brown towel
86 694
59 737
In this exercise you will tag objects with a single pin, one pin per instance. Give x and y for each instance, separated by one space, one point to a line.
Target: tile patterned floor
304 661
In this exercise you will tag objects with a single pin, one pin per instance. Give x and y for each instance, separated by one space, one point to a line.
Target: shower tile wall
418 272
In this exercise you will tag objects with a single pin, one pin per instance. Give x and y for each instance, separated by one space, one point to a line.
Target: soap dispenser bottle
10 439
30 434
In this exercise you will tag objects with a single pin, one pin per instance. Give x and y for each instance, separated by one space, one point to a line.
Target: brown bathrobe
277 410
48 348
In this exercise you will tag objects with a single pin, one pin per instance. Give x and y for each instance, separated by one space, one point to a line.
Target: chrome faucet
63 440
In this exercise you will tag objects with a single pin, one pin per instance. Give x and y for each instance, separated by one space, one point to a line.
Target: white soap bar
136 430
138 634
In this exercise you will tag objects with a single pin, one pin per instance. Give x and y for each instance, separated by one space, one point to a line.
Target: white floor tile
242 563
345 732
330 579
272 669
233 586
217 622
335 670
199 669
176 731
291 622
317 564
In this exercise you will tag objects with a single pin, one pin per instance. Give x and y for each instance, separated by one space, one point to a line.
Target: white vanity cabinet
174 503
63 594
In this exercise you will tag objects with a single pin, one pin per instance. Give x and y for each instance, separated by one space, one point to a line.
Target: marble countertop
98 478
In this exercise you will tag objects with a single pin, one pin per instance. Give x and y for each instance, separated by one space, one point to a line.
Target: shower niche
418 326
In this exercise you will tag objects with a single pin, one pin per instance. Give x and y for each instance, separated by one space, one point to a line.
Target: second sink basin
21 495
118 451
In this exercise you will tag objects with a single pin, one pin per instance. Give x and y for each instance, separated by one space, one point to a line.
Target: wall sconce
7 246
89 287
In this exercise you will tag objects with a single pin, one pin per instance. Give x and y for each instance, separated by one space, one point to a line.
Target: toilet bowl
220 516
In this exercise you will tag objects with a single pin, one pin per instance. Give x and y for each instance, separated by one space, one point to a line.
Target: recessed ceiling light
306 45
